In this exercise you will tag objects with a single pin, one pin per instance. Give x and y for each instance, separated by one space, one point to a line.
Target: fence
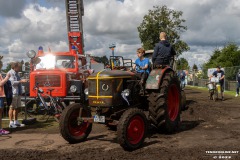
200 77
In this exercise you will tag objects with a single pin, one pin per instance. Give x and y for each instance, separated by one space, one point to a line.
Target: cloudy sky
27 24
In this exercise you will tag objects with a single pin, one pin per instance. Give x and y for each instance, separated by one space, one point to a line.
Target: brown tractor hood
112 74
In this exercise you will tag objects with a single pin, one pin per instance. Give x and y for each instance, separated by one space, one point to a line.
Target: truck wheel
132 129
164 105
69 128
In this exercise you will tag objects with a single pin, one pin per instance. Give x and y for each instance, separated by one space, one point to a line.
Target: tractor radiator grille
48 80
104 87
92 87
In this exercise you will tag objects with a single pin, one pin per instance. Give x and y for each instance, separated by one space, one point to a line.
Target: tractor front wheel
71 128
132 129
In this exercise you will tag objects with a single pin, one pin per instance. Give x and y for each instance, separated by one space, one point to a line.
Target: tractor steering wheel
137 67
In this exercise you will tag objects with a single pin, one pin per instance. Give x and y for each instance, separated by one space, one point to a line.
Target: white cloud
210 24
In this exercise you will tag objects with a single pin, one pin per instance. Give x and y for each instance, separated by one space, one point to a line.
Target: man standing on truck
17 91
163 51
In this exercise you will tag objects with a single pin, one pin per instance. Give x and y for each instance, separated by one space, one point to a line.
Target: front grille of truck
48 80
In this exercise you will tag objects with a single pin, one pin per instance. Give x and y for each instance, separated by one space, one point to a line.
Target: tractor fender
155 77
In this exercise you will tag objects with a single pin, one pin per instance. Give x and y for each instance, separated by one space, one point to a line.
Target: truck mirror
31 54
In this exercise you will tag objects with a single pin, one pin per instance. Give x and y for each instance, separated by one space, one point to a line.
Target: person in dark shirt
238 83
221 75
8 92
182 76
2 97
163 51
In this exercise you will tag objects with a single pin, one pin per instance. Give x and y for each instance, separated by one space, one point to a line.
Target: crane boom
74 13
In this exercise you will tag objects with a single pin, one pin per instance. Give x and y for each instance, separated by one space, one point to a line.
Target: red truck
64 72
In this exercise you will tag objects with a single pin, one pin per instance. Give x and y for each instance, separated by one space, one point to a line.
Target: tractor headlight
86 91
73 88
126 92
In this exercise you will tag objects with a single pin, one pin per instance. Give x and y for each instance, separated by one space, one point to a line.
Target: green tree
163 19
226 57
182 64
8 68
195 67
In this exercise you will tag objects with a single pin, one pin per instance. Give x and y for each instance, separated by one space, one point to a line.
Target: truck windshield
52 61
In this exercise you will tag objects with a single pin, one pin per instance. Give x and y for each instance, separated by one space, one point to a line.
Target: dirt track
206 126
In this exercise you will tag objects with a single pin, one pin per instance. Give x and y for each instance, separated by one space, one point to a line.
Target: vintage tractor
115 100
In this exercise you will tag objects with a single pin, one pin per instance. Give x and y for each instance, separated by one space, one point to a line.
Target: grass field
230 93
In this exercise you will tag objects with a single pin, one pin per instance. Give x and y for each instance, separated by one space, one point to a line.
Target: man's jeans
238 85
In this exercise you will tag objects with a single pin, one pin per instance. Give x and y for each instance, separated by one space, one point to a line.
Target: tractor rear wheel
132 129
164 105
70 128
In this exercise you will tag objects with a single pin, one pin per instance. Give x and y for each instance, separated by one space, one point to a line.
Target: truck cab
63 72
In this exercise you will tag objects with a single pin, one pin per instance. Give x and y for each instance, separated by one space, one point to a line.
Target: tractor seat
159 66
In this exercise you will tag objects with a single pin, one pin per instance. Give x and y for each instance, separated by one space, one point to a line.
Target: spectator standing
17 91
182 76
2 96
238 83
221 75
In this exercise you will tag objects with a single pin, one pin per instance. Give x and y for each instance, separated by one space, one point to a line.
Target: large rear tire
69 126
132 129
164 105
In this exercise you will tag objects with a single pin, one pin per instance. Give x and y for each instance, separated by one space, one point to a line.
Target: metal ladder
74 13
